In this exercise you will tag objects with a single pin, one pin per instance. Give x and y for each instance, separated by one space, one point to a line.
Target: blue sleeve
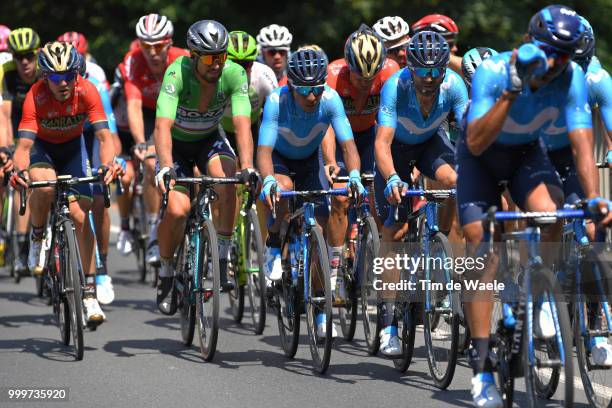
600 92
338 119
387 114
459 96
108 109
577 109
487 83
268 131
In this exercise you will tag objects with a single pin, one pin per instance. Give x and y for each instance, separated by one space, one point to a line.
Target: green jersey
179 99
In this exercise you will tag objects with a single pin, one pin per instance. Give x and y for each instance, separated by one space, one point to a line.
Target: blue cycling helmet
428 49
560 27
307 67
472 59
584 55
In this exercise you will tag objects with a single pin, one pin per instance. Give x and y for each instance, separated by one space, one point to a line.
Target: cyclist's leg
150 193
124 201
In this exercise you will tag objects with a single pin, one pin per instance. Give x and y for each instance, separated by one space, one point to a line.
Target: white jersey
5 57
96 72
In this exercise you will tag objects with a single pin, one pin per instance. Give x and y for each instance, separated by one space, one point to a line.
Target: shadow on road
15 322
152 346
48 349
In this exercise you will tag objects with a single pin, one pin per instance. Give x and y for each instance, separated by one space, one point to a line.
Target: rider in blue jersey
414 104
295 120
559 148
511 105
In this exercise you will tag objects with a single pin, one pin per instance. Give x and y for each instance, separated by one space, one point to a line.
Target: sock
125 223
387 314
152 221
334 262
166 270
38 232
90 280
273 240
22 241
479 355
224 245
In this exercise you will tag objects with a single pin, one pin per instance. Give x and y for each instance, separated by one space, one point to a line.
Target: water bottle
527 55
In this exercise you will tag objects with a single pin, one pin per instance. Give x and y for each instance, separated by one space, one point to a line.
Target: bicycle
245 266
63 273
197 278
140 227
305 283
518 350
361 246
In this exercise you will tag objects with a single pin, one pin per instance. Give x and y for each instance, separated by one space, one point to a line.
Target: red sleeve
333 71
93 103
131 71
28 126
389 68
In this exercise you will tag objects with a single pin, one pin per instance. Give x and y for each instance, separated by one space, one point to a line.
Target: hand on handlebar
331 171
139 151
20 179
395 189
602 210
160 179
270 184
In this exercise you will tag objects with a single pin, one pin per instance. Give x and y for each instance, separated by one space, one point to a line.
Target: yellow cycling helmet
59 56
364 52
23 40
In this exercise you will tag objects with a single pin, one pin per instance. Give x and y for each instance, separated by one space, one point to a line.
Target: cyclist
414 103
445 26
144 71
505 118
358 79
395 32
19 75
189 110
275 43
51 143
242 49
559 149
472 60
5 55
296 117
79 41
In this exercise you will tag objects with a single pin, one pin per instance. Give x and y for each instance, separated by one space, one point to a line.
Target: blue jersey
400 109
106 103
547 110
296 134
599 86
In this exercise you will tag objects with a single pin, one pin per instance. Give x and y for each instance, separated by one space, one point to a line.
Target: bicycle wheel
347 314
71 265
287 296
505 378
207 295
551 356
594 378
140 235
236 295
256 279
61 309
407 328
441 338
368 247
186 305
319 299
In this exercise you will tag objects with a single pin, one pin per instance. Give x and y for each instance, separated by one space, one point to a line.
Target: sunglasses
307 90
210 59
62 76
27 55
158 46
273 51
433 72
553 52
245 64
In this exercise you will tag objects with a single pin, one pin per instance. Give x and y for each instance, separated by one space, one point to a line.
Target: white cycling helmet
154 27
392 29
275 36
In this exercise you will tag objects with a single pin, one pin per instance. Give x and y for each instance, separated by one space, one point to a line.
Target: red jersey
338 79
48 119
140 83
283 81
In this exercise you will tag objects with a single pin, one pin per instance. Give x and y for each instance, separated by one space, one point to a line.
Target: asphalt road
136 359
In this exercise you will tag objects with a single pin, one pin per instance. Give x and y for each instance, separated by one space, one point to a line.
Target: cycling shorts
365 147
563 162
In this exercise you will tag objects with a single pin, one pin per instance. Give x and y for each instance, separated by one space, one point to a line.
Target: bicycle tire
59 301
207 296
236 295
442 377
580 311
256 282
320 348
407 324
286 298
504 371
369 245
140 236
544 284
187 309
72 285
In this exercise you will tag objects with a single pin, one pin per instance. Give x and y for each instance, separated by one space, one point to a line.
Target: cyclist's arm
328 147
244 140
165 113
603 98
268 133
382 151
344 133
241 116
163 141
135 120
28 129
21 158
387 122
7 106
4 123
459 97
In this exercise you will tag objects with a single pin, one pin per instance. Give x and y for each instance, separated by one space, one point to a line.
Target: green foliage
109 25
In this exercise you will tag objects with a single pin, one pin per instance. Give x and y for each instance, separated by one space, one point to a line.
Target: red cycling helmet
439 23
78 40
4 34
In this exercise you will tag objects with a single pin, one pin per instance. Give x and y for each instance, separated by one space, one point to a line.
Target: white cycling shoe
152 256
104 289
484 392
124 242
34 261
390 344
601 352
544 322
273 268
93 312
